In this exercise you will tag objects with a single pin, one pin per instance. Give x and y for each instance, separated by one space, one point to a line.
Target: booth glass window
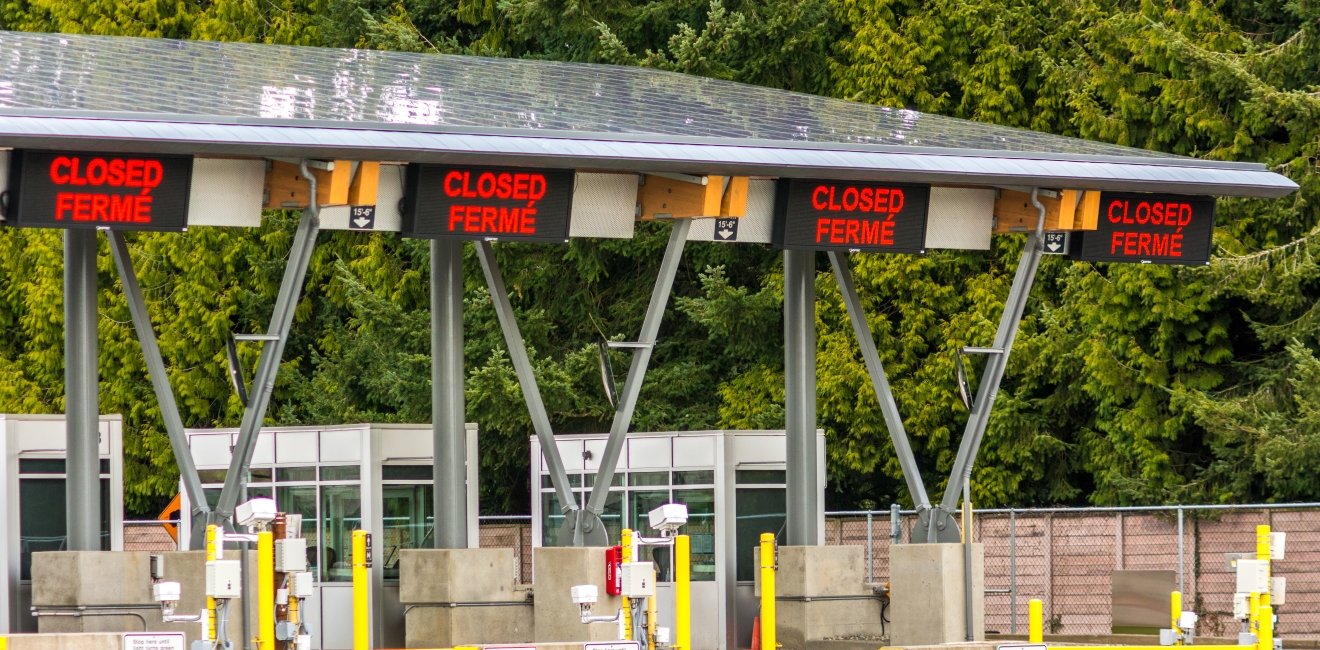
407 520
301 500
700 530
341 514
42 523
759 510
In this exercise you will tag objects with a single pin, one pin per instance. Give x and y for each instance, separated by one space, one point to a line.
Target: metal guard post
768 641
361 593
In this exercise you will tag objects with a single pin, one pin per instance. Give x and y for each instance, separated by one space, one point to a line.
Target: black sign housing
851 216
1150 229
487 203
63 189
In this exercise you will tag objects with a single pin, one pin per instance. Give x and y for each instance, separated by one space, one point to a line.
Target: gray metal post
526 378
160 382
632 385
802 498
263 382
447 405
879 382
997 362
82 488
1181 559
870 547
1012 571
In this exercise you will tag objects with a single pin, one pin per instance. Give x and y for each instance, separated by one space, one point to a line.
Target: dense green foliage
1128 385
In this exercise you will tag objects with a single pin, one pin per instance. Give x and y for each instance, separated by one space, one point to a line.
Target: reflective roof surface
234 99
269 82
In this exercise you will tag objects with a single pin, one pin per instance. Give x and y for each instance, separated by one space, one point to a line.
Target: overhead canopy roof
165 96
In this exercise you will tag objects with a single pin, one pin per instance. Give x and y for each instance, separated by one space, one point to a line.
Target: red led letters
101 183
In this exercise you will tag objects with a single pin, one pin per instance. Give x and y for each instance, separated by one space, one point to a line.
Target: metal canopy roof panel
293 100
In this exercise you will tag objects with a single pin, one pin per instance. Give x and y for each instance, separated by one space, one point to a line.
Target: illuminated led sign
1150 228
58 189
487 203
851 216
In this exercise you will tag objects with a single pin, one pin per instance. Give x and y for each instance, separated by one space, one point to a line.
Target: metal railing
1065 557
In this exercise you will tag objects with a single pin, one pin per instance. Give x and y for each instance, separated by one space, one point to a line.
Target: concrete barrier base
926 587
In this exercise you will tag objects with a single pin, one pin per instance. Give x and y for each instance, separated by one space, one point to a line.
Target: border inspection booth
468 151
32 486
732 483
339 478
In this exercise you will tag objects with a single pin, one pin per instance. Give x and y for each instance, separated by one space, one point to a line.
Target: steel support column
996 362
447 405
803 480
522 365
879 382
160 383
263 382
82 488
632 386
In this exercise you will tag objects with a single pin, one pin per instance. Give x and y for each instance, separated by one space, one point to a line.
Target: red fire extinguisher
613 570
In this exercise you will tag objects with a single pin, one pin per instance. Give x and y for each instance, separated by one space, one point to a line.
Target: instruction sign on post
487 203
1151 229
62 189
851 216
154 641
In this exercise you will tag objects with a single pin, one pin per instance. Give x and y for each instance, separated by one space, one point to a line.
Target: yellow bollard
361 593
1265 638
4 643
1263 553
210 602
768 592
625 556
265 590
682 593
1175 607
1253 610
1035 621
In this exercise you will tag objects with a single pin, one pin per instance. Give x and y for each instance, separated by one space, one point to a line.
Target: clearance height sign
1151 229
56 189
851 216
508 204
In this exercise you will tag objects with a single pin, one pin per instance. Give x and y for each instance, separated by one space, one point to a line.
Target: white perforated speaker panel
604 205
960 218
226 192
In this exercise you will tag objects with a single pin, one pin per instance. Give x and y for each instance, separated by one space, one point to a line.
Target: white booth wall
730 481
337 477
32 489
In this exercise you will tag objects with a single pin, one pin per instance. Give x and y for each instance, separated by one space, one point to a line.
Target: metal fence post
1181 557
895 525
1012 571
870 548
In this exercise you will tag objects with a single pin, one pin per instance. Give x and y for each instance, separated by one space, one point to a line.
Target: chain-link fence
1066 558
510 531
155 535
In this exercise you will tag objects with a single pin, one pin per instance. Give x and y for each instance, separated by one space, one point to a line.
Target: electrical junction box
1278 542
290 555
302 584
1241 603
1187 620
638 579
1278 590
1168 637
224 579
1253 576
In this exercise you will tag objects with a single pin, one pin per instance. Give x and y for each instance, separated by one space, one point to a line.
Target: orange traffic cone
756 633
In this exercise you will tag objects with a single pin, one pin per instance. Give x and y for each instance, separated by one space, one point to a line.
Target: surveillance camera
584 595
167 594
669 517
257 512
